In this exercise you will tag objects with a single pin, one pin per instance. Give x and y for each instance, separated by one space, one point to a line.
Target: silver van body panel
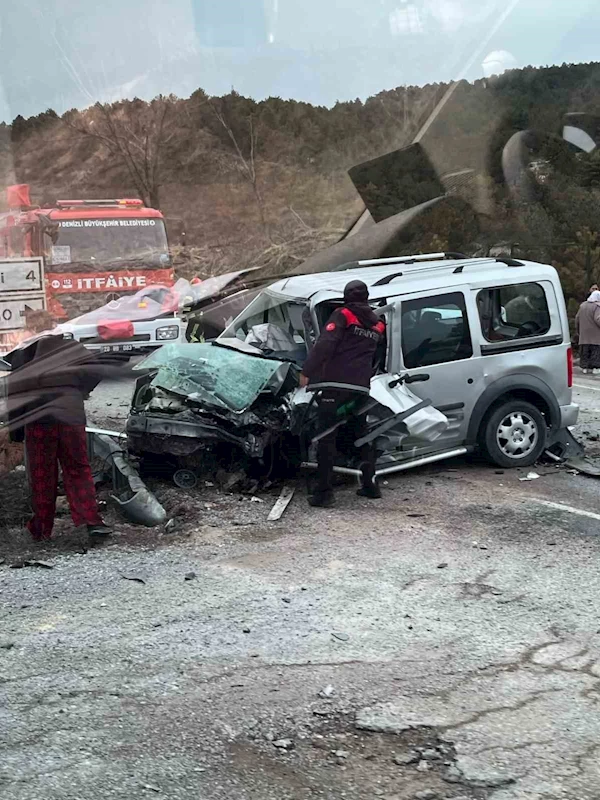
535 366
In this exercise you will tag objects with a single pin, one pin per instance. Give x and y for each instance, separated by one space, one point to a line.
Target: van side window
435 330
513 312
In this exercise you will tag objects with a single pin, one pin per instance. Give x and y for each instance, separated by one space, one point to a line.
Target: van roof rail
415 270
510 262
371 262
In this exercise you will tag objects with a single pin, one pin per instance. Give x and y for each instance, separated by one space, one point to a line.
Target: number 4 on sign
29 277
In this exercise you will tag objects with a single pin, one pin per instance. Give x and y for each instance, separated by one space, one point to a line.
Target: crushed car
485 341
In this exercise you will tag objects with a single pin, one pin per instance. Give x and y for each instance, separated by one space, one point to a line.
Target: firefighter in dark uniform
340 366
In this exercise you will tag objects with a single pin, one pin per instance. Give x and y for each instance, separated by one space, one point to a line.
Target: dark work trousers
329 403
47 445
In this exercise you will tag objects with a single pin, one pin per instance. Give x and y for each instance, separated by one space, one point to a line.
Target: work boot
322 499
370 490
99 531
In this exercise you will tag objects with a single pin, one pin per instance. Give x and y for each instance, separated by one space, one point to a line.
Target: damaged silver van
484 343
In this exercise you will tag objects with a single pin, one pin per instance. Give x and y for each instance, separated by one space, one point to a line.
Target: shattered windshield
213 374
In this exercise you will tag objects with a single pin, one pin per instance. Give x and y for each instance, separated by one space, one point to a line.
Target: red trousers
47 445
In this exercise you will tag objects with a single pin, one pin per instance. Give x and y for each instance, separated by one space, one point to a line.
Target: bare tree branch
138 141
246 165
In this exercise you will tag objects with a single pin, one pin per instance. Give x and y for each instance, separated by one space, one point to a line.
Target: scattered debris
442 566
423 766
133 577
343 754
255 499
151 788
328 691
190 576
22 563
404 759
245 630
287 492
283 744
6 644
342 637
586 465
531 476
133 498
426 794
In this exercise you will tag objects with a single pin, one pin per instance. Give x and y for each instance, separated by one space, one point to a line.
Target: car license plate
116 348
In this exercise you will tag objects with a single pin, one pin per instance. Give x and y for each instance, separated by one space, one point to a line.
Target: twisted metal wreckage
225 404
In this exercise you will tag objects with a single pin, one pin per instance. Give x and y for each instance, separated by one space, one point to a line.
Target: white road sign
21 275
12 310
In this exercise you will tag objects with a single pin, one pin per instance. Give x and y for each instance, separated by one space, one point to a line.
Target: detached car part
132 496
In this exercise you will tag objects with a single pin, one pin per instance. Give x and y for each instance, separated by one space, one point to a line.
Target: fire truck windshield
109 241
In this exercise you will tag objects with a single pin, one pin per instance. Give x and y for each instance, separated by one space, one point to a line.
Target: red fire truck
93 250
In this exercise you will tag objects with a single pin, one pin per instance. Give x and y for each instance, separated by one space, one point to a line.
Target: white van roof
391 277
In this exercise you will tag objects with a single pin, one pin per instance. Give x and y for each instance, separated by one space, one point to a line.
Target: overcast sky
69 53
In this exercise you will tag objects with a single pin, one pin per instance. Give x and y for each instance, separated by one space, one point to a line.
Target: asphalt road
443 642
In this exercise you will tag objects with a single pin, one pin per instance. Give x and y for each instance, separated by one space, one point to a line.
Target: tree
136 133
589 168
580 266
243 147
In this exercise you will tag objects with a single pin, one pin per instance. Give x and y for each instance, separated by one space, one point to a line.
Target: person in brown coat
587 325
50 378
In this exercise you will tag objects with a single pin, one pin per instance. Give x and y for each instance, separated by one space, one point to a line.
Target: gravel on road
325 655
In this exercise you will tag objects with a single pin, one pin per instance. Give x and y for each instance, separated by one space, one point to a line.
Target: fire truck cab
94 251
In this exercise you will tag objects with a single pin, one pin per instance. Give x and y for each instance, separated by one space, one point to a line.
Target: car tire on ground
514 434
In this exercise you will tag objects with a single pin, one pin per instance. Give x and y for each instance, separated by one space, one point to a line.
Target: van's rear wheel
514 434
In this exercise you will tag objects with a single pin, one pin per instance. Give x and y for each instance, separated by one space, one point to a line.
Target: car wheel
514 434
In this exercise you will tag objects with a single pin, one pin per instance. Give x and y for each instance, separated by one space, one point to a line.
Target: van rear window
513 312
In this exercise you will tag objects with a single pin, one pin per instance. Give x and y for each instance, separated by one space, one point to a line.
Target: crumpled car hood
217 375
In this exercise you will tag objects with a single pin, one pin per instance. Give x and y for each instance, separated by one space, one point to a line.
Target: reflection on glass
216 375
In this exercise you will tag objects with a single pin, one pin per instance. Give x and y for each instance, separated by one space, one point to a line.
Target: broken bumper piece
159 434
131 495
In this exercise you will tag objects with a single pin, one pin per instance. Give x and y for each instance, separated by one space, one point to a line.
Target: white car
133 324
